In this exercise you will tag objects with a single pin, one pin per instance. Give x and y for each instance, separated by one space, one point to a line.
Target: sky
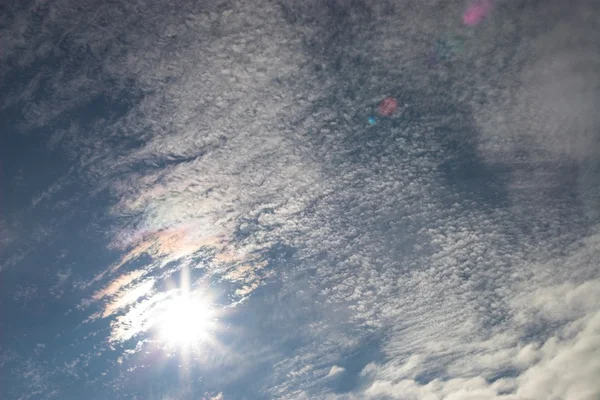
199 199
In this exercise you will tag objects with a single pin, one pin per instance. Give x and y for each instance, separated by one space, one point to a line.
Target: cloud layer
447 252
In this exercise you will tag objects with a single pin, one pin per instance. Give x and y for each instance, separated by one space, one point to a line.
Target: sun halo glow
186 320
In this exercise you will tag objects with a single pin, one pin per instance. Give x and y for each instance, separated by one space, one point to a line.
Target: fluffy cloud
563 366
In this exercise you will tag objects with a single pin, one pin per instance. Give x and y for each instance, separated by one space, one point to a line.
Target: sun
185 321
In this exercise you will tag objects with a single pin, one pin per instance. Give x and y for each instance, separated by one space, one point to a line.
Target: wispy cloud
140 318
128 297
117 284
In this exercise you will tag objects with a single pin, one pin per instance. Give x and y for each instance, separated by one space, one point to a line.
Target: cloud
568 365
456 389
460 234
566 369
120 282
5 236
567 301
34 378
62 277
335 370
128 297
563 366
138 319
25 294
174 242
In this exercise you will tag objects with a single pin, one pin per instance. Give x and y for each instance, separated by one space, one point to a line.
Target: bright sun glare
186 320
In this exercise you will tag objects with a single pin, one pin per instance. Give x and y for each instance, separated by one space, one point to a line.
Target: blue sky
194 204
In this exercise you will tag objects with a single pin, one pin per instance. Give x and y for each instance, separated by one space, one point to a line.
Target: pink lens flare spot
477 11
387 107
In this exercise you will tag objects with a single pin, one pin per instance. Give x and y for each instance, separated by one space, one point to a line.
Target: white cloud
335 370
558 303
138 319
563 366
455 389
569 366
129 296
